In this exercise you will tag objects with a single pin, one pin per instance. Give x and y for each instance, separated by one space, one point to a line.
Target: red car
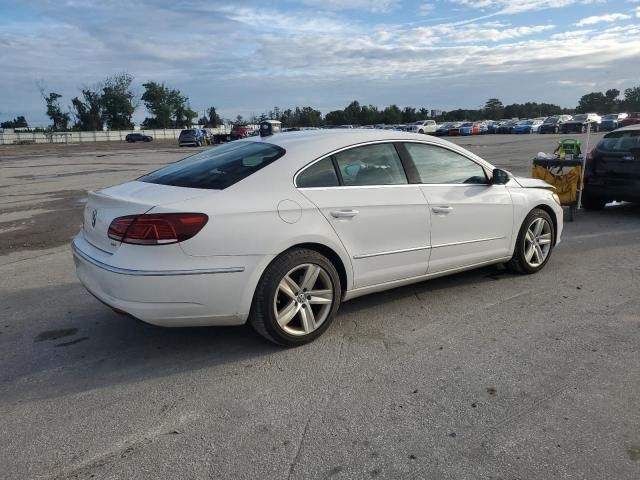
632 119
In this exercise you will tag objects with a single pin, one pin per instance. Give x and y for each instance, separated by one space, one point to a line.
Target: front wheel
534 243
296 298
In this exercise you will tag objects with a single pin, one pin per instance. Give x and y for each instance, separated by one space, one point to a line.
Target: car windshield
217 168
187 132
580 118
611 116
620 141
552 120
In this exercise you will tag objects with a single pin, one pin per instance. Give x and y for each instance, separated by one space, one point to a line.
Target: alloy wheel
537 242
303 299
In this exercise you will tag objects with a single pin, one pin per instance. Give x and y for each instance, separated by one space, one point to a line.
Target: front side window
439 165
217 168
377 164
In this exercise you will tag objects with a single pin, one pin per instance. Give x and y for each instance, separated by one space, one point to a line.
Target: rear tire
296 299
591 202
534 244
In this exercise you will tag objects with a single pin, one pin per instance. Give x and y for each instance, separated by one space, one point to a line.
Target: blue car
492 127
466 128
612 121
527 126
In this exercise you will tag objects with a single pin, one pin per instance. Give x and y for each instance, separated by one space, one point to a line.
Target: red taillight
157 229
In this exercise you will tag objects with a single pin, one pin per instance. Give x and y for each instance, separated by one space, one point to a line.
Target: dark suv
138 137
612 170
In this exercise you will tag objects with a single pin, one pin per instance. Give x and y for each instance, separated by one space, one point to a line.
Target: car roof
628 127
304 146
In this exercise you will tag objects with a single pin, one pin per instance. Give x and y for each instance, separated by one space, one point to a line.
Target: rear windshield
187 132
620 141
217 168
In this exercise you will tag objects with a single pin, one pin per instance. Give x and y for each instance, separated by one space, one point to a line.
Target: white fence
12 137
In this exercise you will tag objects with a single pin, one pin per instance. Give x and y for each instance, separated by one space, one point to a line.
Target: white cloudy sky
247 56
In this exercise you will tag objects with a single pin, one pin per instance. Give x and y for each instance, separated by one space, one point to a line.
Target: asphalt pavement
481 375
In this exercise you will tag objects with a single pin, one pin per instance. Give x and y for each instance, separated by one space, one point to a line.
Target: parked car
527 126
632 119
455 129
470 128
207 139
191 137
612 121
443 129
422 126
507 127
553 123
612 169
137 137
492 127
579 123
270 231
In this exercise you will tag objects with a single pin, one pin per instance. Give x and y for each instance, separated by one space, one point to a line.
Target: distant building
436 113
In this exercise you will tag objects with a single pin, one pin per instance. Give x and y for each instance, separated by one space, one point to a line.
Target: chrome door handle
441 209
344 213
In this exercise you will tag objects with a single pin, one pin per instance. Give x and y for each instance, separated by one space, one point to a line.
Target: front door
471 220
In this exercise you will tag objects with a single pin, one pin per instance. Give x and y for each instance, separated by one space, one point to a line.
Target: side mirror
500 177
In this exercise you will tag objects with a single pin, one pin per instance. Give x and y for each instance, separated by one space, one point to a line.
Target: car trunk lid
132 198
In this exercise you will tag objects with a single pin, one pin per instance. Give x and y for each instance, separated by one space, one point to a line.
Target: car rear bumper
217 294
613 189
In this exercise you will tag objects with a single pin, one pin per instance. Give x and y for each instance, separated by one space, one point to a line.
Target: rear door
471 220
382 220
618 157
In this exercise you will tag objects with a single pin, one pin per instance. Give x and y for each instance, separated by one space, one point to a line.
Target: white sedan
279 230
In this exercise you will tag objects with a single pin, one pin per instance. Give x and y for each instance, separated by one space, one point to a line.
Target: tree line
113 102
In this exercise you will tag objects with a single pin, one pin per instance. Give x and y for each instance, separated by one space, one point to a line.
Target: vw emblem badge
94 215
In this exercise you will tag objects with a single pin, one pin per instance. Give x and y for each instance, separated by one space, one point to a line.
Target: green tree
409 115
59 119
88 111
631 100
392 114
18 122
161 102
493 109
214 118
118 102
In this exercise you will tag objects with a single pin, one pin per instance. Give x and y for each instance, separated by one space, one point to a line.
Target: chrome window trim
150 273
483 164
426 247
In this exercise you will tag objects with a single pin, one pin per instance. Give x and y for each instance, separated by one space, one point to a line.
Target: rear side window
620 141
439 165
377 164
217 168
320 174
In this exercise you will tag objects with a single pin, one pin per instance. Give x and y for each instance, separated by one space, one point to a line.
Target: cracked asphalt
481 375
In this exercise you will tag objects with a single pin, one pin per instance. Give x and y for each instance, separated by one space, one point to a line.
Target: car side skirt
358 292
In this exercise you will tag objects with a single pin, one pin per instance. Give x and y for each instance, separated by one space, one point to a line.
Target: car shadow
66 342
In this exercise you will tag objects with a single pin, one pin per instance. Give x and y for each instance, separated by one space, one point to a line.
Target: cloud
368 5
426 9
245 58
608 18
